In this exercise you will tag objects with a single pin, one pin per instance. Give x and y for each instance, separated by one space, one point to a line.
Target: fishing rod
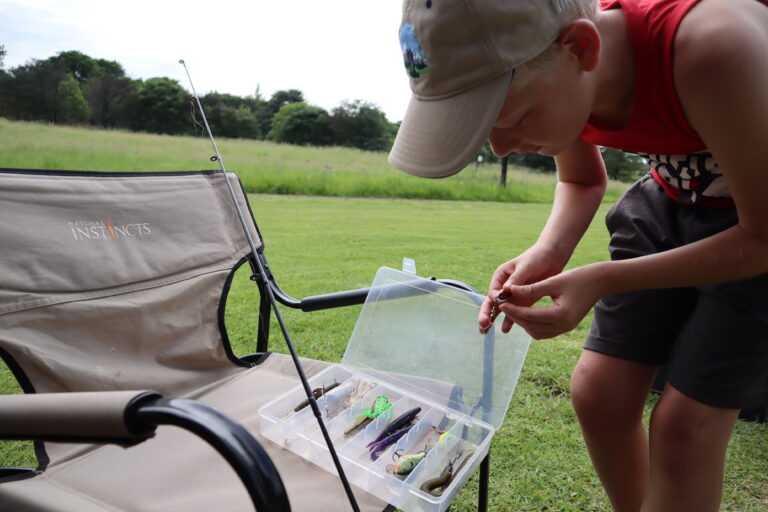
273 302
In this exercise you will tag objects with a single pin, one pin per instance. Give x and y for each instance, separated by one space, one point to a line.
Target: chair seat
176 471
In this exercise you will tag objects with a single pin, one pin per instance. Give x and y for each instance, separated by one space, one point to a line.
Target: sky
332 50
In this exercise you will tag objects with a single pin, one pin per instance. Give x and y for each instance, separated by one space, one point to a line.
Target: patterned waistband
683 196
691 179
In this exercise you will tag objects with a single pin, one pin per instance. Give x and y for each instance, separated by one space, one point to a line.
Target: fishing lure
380 405
349 390
495 310
377 448
406 463
436 486
316 393
396 424
361 389
444 438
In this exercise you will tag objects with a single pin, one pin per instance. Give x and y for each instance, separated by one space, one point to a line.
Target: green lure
380 405
406 463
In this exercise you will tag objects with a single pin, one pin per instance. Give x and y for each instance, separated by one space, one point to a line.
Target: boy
684 82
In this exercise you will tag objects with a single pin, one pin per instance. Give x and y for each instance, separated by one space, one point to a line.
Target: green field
323 244
264 167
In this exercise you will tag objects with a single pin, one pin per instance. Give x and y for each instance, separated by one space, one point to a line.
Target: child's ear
582 40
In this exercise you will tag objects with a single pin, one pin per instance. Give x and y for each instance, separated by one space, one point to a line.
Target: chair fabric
118 281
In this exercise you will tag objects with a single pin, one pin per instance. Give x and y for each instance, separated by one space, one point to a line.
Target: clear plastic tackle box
416 342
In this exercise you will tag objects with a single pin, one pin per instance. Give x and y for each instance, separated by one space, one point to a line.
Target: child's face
545 115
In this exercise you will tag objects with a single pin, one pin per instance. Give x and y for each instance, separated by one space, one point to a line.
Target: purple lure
380 446
397 424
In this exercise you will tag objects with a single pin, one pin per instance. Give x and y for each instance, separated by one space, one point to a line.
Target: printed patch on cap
413 56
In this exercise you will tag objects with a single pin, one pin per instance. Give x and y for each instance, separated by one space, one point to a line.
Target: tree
541 163
161 106
361 125
72 107
284 97
110 67
30 91
278 100
45 90
75 63
232 116
110 94
299 123
5 81
239 122
623 166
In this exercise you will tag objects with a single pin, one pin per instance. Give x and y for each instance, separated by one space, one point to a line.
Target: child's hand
573 292
533 265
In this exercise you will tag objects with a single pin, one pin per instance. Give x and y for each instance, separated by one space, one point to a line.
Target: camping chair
112 293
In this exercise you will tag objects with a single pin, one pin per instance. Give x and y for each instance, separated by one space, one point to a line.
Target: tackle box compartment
417 343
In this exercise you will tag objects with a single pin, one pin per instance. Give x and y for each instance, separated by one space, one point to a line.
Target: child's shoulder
720 72
717 33
723 26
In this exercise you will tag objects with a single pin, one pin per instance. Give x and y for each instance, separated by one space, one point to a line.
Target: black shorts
714 338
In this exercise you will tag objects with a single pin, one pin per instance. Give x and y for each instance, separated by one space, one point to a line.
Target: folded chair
112 295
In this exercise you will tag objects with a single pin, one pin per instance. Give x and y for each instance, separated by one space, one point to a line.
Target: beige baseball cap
461 56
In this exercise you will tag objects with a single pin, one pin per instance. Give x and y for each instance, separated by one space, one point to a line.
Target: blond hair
541 63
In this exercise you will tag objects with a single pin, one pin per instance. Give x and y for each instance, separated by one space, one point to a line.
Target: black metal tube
244 453
485 470
262 269
349 297
334 300
265 311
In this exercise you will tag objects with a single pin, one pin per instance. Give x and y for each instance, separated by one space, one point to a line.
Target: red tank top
658 124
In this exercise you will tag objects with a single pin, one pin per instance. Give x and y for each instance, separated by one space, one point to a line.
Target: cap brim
438 138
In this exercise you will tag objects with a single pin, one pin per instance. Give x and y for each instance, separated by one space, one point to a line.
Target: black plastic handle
244 453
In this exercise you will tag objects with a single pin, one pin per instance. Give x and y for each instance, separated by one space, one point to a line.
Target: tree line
620 166
73 88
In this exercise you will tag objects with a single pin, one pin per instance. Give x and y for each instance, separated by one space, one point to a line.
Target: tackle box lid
422 336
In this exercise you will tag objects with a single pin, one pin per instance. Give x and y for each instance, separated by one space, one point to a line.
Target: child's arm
580 189
721 73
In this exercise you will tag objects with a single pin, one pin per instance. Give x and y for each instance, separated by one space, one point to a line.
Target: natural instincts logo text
108 230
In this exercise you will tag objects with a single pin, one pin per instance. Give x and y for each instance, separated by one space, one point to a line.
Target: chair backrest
117 280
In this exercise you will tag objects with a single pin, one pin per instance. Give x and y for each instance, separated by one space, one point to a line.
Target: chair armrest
328 300
244 453
83 417
334 300
130 417
352 297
